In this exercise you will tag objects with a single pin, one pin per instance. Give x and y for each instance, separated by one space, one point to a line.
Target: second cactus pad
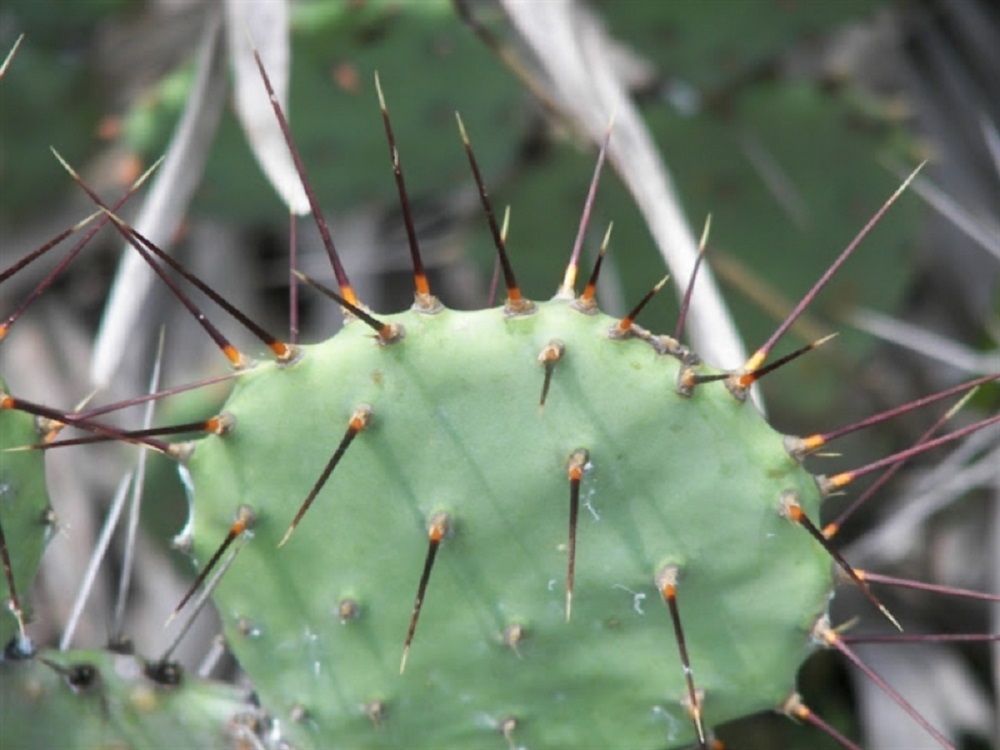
448 471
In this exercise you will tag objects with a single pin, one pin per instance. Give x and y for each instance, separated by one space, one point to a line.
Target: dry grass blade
10 55
96 558
264 25
165 205
964 709
923 341
982 230
972 465
584 82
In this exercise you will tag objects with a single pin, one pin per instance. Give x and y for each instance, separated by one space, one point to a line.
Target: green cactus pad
456 428
24 510
98 699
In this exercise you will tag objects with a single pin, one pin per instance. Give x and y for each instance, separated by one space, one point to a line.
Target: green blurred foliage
430 67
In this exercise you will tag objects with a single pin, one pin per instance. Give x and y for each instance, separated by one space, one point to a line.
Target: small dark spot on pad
82 677
168 673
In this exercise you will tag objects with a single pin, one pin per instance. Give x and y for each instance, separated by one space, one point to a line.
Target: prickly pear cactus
527 526
90 699
686 486
25 514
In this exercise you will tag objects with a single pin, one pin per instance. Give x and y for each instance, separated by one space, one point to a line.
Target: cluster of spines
666 580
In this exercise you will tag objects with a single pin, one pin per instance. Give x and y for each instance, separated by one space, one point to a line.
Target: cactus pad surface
98 699
455 427
24 511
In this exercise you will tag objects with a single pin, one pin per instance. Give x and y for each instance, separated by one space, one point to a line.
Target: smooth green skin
457 428
24 502
124 710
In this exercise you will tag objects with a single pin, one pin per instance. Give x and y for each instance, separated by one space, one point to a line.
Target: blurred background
790 122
